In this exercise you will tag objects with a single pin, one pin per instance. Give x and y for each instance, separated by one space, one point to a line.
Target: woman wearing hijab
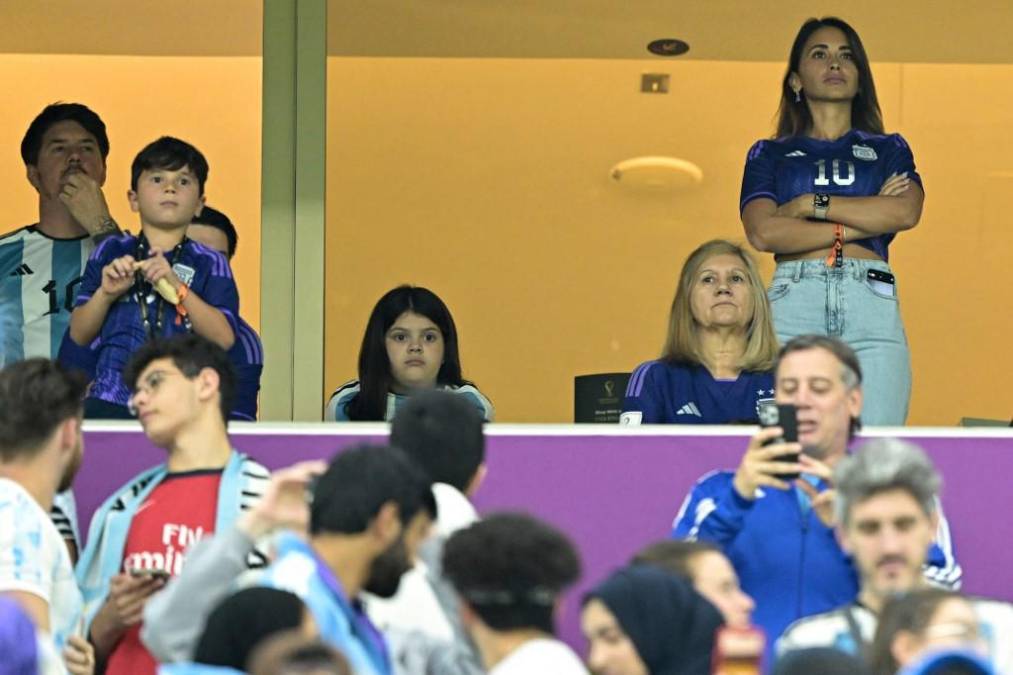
644 621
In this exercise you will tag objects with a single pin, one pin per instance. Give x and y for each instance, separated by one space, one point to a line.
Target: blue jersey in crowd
660 392
204 270
247 356
39 276
855 165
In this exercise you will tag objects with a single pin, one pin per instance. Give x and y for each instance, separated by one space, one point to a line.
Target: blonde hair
682 344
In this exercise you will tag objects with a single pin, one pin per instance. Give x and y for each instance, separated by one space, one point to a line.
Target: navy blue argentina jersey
204 270
40 280
247 356
660 392
855 165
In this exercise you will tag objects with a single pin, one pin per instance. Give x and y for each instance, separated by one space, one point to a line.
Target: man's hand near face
761 464
83 197
822 502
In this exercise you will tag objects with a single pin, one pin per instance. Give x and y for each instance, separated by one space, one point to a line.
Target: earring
798 96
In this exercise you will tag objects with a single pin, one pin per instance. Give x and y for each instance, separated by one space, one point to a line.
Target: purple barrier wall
614 489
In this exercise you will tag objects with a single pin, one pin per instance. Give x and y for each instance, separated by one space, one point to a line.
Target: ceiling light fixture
668 47
657 173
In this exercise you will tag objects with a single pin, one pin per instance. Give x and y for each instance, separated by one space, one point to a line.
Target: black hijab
242 621
671 625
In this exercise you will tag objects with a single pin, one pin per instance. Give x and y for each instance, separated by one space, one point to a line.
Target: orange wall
214 103
487 181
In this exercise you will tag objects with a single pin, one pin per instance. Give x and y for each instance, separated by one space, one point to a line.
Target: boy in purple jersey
118 300
213 229
826 198
720 348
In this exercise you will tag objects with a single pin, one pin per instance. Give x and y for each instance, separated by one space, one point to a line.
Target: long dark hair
375 377
794 119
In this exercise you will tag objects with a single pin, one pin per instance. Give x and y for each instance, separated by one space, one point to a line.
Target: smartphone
153 572
783 415
881 282
738 651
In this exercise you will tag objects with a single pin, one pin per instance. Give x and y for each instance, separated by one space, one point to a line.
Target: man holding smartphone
183 389
777 529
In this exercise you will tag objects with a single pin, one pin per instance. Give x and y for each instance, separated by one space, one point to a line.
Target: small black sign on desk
598 399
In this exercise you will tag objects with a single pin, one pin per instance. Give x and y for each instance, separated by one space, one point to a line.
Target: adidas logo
689 409
22 270
796 153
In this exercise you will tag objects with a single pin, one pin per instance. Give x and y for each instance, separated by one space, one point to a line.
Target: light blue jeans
808 297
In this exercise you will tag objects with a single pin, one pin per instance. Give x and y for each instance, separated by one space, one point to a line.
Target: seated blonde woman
716 366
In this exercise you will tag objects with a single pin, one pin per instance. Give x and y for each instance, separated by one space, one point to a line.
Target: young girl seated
410 345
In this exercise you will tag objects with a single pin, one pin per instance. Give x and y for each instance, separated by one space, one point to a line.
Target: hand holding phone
767 458
785 416
149 573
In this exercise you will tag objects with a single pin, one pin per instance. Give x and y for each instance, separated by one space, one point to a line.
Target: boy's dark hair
674 556
53 113
169 154
36 396
511 568
218 220
443 433
359 481
191 353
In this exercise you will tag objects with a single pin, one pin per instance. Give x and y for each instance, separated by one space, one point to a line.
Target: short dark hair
510 568
375 376
443 433
169 154
674 555
359 481
54 113
244 619
218 220
191 353
36 396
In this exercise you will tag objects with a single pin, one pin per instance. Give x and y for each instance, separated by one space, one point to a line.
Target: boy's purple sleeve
220 290
91 280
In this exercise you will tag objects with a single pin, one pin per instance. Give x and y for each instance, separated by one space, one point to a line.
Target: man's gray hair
885 464
851 371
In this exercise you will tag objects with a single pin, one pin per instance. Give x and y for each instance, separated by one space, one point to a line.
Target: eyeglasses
952 629
149 386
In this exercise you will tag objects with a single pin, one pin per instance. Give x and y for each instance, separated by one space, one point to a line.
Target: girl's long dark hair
375 377
794 119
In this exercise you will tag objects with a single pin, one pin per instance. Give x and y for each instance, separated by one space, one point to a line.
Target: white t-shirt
34 559
540 656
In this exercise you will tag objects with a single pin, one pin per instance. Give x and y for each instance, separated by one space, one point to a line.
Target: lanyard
362 628
143 290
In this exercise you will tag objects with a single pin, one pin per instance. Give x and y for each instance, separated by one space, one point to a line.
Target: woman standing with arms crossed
827 197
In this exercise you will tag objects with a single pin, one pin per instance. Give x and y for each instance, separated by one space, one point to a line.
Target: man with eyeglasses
886 513
183 390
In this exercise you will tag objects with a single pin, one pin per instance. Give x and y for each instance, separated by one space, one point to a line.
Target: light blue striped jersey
39 276
337 406
34 559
